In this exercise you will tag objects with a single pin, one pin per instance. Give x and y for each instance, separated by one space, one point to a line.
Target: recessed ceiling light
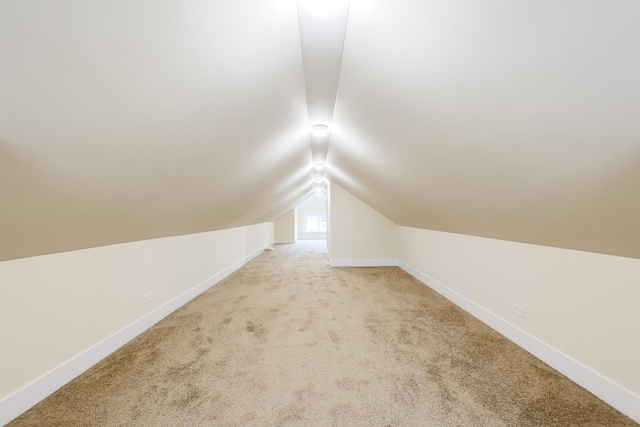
320 130
323 7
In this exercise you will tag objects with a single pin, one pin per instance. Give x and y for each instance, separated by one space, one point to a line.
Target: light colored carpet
289 341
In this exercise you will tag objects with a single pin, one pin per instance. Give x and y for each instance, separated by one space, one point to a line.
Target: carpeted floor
289 341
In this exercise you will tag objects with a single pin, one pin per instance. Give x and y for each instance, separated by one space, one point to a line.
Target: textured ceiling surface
137 119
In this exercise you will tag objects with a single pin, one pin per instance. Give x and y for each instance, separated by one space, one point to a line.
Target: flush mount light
323 7
318 181
318 166
320 130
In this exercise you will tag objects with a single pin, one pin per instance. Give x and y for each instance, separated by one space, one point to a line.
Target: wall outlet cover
149 297
518 309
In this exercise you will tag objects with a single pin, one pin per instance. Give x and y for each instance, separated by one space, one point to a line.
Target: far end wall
315 207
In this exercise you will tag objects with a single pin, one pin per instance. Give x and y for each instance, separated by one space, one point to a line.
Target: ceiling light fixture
320 130
318 166
323 7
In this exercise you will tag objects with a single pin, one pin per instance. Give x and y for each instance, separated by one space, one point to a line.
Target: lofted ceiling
133 119
516 120
137 119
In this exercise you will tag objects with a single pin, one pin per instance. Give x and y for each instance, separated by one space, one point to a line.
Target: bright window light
315 224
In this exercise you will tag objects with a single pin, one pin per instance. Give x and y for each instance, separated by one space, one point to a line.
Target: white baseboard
29 395
364 263
614 394
284 241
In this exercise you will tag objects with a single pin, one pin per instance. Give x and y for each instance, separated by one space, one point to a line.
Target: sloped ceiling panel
510 120
136 119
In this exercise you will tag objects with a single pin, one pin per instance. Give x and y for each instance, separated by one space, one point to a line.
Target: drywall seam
364 263
29 395
614 394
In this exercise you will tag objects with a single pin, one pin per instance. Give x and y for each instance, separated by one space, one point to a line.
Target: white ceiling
513 120
134 119
129 120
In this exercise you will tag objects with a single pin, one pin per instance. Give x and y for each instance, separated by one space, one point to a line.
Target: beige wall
582 304
357 231
54 307
284 228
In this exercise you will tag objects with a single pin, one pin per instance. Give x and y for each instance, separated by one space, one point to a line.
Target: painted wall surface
358 231
54 307
581 303
284 228
315 206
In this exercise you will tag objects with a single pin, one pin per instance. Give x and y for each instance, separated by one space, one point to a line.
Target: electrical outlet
149 297
518 309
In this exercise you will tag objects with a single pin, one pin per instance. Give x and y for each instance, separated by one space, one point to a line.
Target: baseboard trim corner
614 394
364 263
13 405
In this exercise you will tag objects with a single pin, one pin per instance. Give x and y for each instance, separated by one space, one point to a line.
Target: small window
315 224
